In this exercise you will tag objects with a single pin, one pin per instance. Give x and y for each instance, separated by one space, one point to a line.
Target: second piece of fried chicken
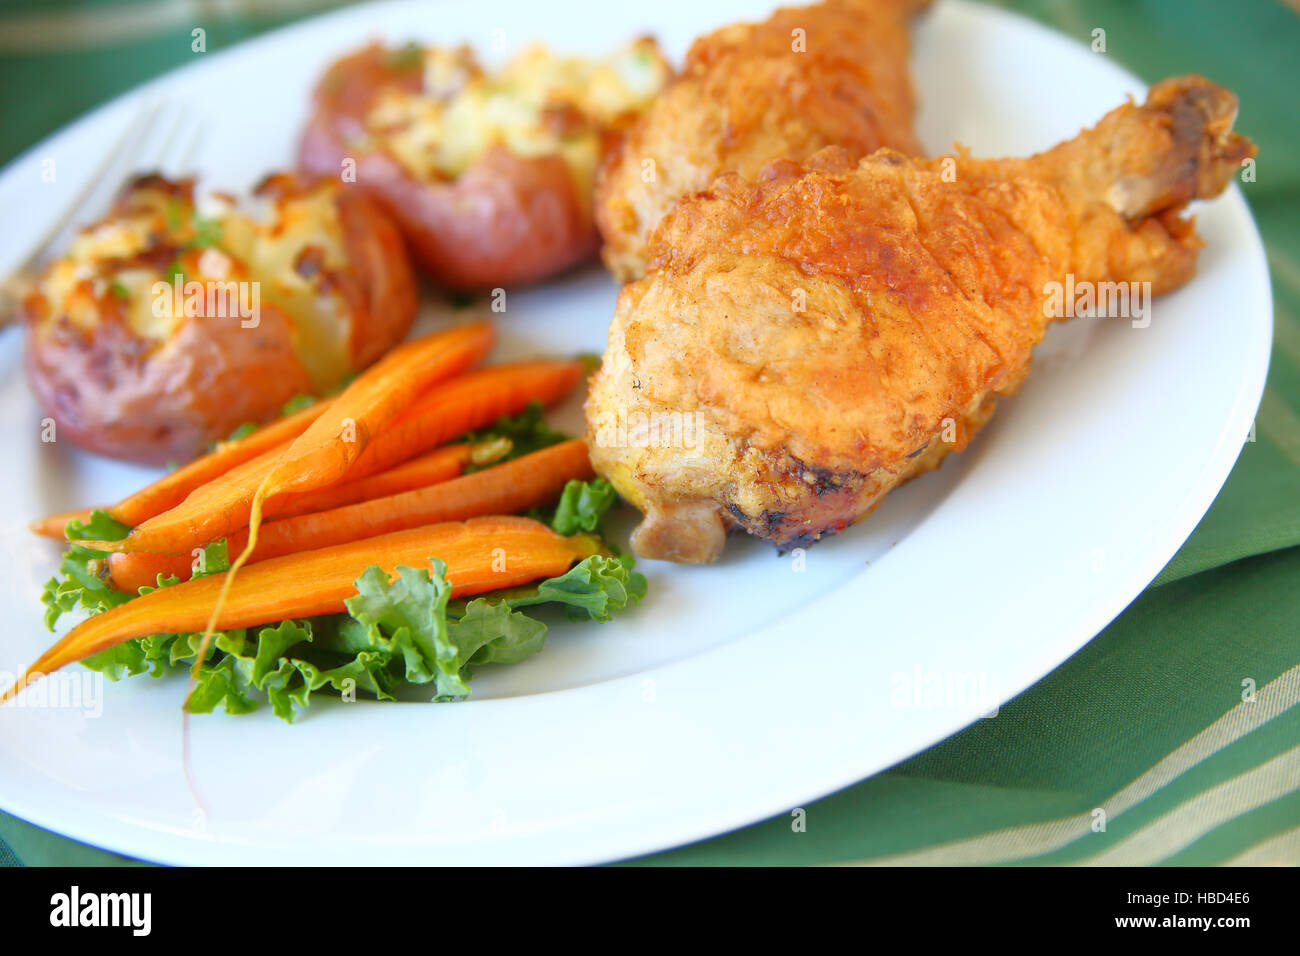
832 74
808 341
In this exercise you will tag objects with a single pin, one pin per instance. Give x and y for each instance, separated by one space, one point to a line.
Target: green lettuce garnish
101 527
400 635
583 505
213 559
82 580
399 632
527 432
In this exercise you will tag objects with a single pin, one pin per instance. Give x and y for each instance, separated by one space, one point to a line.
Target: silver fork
161 137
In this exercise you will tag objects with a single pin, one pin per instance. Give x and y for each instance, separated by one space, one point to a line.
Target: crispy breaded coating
836 327
833 74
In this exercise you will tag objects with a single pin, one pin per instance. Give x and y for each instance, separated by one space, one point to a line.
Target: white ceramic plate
737 691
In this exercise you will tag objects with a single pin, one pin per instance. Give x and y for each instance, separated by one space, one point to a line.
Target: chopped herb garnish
409 56
297 404
207 233
527 432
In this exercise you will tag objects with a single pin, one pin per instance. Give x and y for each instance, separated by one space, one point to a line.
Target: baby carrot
52 526
135 569
172 488
482 554
322 455
527 482
473 400
440 465
355 418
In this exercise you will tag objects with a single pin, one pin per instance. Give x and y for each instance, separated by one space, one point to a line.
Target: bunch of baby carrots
313 499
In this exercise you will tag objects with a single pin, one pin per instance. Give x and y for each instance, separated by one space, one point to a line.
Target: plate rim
163 844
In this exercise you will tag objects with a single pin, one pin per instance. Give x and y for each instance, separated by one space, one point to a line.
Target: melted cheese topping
272 248
120 262
92 269
539 104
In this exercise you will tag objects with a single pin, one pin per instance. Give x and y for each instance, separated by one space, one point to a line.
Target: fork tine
83 206
182 143
153 158
161 136
160 130
188 146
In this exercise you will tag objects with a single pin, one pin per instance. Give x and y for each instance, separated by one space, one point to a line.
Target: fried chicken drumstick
833 74
835 328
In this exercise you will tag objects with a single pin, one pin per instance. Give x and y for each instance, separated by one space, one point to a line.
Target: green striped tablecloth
1178 721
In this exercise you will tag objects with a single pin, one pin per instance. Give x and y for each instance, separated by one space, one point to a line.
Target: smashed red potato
490 175
167 326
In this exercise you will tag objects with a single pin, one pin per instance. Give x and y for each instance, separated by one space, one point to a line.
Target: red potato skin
508 220
113 393
382 287
108 394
